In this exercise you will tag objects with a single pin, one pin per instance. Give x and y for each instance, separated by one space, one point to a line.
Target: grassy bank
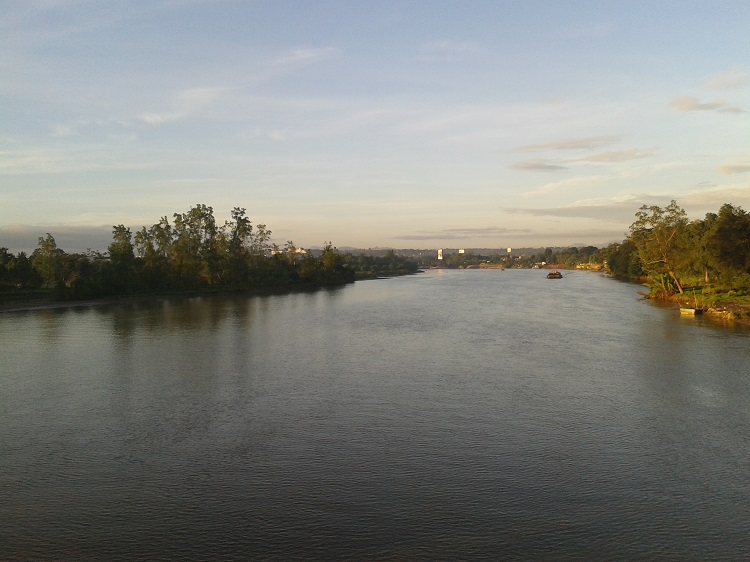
733 306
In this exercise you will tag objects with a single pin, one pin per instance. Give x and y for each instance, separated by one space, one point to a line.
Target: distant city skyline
428 124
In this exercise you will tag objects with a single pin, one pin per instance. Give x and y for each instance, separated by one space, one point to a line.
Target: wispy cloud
704 200
84 158
673 165
187 104
620 209
735 168
690 103
60 131
735 79
462 233
569 184
305 56
537 166
619 156
588 143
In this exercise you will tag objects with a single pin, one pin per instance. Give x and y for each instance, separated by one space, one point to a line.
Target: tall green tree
238 234
728 241
623 260
194 252
660 235
48 261
20 272
153 246
121 266
699 257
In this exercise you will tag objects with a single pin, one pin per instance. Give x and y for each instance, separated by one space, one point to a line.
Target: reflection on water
455 414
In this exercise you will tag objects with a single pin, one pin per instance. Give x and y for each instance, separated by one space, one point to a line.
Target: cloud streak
620 210
619 156
569 184
462 233
537 166
729 169
588 143
305 56
732 80
188 103
690 103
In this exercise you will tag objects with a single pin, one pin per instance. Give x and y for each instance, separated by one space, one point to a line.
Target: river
479 414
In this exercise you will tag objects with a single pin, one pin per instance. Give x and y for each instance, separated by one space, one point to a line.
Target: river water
448 415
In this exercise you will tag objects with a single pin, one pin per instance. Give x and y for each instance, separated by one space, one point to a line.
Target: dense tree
238 233
698 257
623 260
47 260
660 235
728 240
17 272
120 269
194 252
153 246
189 254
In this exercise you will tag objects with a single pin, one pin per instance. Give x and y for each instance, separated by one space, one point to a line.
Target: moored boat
554 275
690 311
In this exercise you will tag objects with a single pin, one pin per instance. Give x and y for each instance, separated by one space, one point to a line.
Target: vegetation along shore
193 253
701 264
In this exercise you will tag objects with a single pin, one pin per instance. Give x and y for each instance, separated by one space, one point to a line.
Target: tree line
191 252
674 253
664 248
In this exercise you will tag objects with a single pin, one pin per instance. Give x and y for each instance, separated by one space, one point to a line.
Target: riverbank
725 306
45 301
721 306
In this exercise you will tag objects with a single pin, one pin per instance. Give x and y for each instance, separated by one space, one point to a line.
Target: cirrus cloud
537 166
733 80
588 143
690 103
305 56
619 156
736 168
187 104
462 233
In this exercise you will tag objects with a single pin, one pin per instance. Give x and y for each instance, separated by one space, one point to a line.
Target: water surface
453 414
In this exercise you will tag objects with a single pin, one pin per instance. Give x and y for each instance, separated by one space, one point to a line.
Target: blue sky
391 124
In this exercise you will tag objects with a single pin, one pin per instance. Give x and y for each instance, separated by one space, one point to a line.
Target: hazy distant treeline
189 253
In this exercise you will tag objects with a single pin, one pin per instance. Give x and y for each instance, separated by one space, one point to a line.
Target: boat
554 275
690 311
687 311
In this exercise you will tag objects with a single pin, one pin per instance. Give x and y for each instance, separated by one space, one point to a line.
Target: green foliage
194 253
189 254
364 266
623 260
661 237
673 252
17 273
47 261
728 241
118 273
